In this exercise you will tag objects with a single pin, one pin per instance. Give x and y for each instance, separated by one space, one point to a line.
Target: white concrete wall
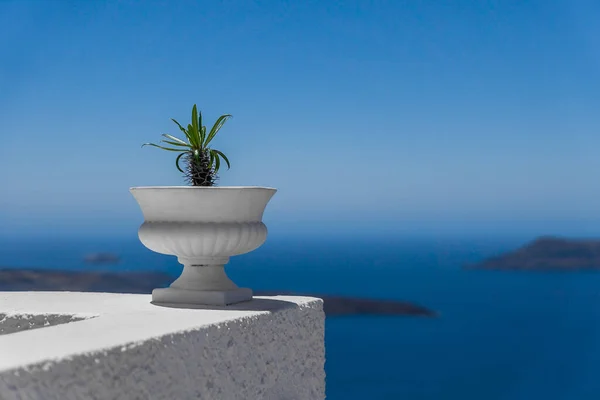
119 346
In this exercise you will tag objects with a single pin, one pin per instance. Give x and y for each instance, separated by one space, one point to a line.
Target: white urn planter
202 227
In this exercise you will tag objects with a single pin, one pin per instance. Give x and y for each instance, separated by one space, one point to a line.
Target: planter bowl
202 227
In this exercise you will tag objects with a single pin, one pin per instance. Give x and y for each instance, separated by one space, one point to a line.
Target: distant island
548 253
101 258
12 279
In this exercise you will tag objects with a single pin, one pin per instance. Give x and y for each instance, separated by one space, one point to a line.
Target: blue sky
424 117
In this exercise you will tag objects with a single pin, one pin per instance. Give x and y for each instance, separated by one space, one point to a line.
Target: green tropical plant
201 162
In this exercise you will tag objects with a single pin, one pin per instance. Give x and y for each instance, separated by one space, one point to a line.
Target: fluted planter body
202 227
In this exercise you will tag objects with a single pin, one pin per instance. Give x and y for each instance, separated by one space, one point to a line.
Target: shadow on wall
257 304
143 283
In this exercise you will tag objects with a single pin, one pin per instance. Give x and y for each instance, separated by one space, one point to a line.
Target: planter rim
202 187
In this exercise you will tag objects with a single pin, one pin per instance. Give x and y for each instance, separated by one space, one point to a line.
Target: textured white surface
123 347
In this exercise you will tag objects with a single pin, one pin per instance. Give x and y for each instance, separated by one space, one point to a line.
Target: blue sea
500 335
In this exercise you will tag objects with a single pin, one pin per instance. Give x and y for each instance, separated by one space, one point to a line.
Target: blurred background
404 137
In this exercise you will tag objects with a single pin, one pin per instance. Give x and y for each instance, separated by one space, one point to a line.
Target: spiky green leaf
179 125
175 144
175 139
194 136
217 163
160 147
216 127
211 157
195 119
201 129
177 162
219 153
182 129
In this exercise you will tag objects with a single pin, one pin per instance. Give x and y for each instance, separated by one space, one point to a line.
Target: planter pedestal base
184 297
203 282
